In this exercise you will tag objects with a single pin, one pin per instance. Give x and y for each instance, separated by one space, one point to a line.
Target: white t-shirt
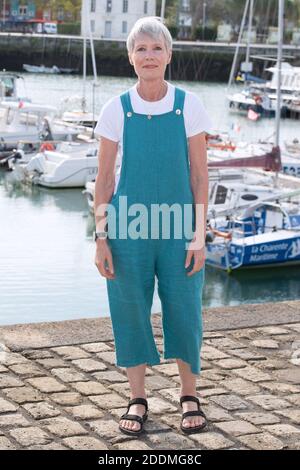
111 119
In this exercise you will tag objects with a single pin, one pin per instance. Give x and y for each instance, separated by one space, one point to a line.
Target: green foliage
72 7
206 34
69 28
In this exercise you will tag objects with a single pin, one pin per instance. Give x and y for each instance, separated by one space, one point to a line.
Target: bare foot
191 421
133 425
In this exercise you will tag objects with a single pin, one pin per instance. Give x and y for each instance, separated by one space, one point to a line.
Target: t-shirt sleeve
109 123
196 116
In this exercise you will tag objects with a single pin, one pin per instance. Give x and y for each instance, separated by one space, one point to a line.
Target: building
184 19
114 18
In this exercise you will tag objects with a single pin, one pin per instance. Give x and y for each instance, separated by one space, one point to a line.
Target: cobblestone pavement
71 397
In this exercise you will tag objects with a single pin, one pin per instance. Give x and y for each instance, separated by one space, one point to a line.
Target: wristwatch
99 235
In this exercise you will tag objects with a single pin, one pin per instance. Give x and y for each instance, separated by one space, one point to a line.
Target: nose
149 55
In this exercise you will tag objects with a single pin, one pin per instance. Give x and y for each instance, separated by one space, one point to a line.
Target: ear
129 57
170 57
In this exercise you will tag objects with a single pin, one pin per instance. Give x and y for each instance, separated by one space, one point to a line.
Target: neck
152 90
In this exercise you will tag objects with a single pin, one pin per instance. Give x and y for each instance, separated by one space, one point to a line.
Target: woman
159 132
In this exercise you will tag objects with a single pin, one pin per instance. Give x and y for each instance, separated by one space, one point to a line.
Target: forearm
104 187
199 186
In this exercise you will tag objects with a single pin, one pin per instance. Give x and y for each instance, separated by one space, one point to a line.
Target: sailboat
82 116
267 232
258 100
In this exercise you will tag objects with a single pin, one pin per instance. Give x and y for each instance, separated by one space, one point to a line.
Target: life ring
46 146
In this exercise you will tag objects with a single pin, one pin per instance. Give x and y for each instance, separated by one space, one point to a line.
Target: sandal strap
193 413
133 418
189 398
138 401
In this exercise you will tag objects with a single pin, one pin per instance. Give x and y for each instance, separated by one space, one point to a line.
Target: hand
199 260
103 259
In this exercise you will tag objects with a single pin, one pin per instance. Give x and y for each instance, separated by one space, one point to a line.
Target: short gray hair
151 26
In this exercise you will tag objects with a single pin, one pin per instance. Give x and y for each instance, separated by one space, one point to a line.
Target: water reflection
69 199
251 286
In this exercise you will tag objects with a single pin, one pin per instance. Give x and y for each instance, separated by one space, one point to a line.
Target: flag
252 115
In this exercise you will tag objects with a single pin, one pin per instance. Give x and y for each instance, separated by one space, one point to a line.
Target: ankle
138 395
190 392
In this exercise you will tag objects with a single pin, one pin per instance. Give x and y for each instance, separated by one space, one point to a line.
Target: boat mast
88 31
278 83
233 67
279 61
248 65
162 10
94 84
85 19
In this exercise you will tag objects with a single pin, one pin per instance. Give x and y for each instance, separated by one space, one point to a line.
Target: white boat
30 121
263 103
40 69
79 117
221 150
265 234
43 69
71 165
10 87
228 188
261 97
291 165
293 147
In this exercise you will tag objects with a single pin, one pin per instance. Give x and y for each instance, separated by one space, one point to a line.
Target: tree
73 7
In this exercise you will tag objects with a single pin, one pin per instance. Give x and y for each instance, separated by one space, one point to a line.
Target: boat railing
241 232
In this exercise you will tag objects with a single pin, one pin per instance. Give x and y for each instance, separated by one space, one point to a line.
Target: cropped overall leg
181 301
130 299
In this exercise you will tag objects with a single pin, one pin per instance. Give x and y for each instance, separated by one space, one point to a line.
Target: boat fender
46 146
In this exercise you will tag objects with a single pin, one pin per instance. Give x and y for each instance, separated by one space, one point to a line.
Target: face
150 57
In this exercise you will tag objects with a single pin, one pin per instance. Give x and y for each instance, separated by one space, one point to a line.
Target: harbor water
47 266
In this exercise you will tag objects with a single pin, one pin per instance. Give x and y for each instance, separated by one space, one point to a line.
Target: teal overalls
155 170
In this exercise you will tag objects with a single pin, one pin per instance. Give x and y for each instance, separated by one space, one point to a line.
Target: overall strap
126 102
179 99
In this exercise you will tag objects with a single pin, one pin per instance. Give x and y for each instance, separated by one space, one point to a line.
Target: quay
60 388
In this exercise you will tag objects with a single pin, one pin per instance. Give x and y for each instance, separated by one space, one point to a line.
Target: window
60 14
107 31
125 6
145 8
185 6
124 27
93 5
92 26
23 10
221 194
108 6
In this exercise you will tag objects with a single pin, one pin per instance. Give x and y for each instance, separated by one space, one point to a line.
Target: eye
140 49
159 48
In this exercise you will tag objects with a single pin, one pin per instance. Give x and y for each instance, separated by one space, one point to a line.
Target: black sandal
198 412
139 419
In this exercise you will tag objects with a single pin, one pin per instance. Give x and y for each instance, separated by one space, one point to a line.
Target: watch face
100 235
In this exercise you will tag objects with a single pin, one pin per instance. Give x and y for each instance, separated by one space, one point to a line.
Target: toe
135 426
186 423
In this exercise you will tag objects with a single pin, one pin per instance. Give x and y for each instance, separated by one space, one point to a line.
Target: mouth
150 67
